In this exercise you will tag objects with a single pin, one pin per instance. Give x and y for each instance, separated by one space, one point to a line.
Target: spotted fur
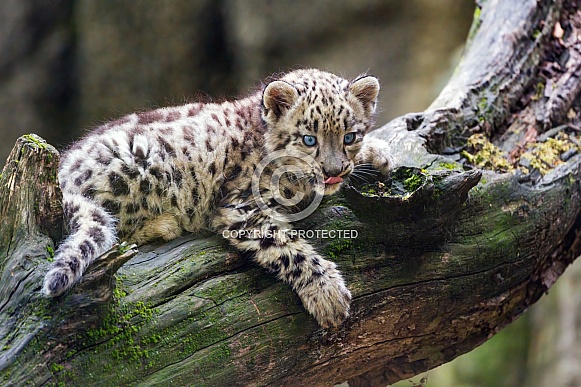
181 169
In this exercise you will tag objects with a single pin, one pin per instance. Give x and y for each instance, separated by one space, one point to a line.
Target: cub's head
321 115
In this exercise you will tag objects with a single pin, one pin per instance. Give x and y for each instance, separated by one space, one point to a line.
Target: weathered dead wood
436 269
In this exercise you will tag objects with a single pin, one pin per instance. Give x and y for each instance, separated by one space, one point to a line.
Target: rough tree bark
441 263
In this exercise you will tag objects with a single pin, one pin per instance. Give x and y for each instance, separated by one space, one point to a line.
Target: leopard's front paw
57 280
376 153
327 299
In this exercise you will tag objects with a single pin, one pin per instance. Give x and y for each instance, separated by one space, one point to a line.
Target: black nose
333 171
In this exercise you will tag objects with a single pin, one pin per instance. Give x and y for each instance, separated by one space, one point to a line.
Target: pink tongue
333 180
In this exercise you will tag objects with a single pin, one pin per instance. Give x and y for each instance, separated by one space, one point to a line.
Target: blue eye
349 138
309 140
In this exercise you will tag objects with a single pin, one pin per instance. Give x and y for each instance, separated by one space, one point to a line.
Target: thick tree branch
446 254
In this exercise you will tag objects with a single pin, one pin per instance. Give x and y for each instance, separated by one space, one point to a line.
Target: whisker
364 165
368 173
364 168
359 177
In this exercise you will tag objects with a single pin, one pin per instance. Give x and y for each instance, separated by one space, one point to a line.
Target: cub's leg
92 232
316 280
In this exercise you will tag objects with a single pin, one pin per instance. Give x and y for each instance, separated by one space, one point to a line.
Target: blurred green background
67 66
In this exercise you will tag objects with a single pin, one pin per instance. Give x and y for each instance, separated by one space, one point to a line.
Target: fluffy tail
92 232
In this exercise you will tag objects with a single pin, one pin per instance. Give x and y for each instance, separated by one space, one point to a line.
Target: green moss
545 156
35 141
337 247
220 302
118 292
70 354
120 328
483 104
485 154
124 247
403 182
412 183
50 252
539 91
130 350
55 368
42 308
448 166
476 22
541 156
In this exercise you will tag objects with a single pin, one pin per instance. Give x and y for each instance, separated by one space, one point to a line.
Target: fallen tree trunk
445 254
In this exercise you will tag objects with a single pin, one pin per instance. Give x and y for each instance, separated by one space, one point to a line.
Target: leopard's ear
366 90
278 97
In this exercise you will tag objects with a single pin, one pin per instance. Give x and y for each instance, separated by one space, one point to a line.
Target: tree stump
470 229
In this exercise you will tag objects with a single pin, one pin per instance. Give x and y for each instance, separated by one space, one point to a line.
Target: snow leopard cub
181 169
